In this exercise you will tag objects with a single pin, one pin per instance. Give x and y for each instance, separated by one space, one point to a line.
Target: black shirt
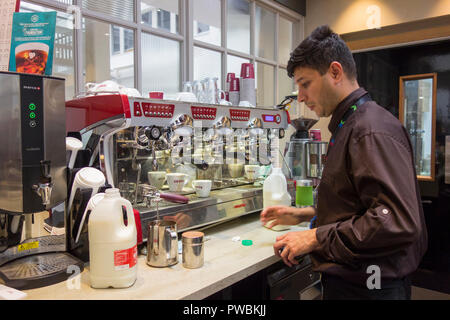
369 210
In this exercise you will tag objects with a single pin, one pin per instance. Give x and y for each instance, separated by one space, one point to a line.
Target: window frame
185 37
402 109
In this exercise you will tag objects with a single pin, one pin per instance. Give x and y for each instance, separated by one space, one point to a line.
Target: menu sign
7 8
33 38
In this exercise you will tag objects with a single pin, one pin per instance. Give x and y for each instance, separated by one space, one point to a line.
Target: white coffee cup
202 187
235 170
156 178
251 171
245 104
186 97
176 181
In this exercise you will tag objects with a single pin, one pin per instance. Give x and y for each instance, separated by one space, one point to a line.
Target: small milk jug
112 243
275 191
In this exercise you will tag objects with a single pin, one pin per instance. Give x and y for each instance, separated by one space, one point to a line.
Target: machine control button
277 118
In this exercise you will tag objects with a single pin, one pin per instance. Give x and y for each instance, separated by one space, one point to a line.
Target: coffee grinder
33 182
303 156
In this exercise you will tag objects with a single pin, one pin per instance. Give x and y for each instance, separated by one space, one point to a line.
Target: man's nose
300 96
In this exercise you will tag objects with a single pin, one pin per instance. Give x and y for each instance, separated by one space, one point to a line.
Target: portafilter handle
177 198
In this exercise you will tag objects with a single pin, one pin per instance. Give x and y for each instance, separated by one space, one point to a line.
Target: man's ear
336 71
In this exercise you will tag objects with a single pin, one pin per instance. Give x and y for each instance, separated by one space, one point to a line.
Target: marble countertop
225 263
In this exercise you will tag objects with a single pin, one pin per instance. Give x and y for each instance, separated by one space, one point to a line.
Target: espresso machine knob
153 133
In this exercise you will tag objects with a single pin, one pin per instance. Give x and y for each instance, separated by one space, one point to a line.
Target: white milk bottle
112 243
275 193
275 189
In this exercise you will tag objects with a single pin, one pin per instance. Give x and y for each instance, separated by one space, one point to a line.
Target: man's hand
294 244
285 215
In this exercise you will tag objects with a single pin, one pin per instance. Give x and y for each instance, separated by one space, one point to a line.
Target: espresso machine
32 181
134 140
304 158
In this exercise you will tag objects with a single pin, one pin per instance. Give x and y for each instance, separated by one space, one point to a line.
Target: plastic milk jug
275 189
275 193
112 243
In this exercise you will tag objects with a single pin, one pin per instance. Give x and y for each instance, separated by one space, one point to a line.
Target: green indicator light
32 115
32 106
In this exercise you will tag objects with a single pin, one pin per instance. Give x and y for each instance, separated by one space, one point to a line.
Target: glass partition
208 21
108 53
238 25
417 112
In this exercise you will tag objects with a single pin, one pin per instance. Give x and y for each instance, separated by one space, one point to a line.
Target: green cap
247 242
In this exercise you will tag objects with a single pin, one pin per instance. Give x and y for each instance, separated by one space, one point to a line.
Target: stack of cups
234 91
247 90
230 75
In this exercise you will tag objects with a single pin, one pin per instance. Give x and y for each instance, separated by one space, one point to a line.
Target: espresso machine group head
32 180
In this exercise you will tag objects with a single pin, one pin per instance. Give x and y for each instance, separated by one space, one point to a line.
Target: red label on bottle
125 259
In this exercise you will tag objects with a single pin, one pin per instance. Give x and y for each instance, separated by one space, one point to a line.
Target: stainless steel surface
221 205
295 158
291 283
162 244
55 137
230 197
303 123
32 178
33 246
193 250
183 121
11 187
11 190
44 190
315 154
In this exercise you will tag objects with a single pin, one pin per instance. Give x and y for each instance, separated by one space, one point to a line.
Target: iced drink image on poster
31 57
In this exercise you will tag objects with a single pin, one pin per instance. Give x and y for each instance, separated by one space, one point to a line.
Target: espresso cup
235 170
176 181
156 178
251 171
202 187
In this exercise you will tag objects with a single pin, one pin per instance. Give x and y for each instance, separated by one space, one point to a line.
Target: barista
369 235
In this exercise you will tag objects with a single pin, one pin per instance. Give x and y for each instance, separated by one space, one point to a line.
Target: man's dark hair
319 50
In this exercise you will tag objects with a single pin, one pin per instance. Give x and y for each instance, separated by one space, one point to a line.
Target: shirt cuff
323 238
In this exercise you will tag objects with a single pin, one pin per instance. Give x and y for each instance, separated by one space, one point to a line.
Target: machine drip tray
39 270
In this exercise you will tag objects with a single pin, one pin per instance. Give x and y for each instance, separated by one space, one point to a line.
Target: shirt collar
343 106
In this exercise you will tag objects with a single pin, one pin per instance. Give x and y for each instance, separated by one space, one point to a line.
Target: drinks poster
33 37
7 8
